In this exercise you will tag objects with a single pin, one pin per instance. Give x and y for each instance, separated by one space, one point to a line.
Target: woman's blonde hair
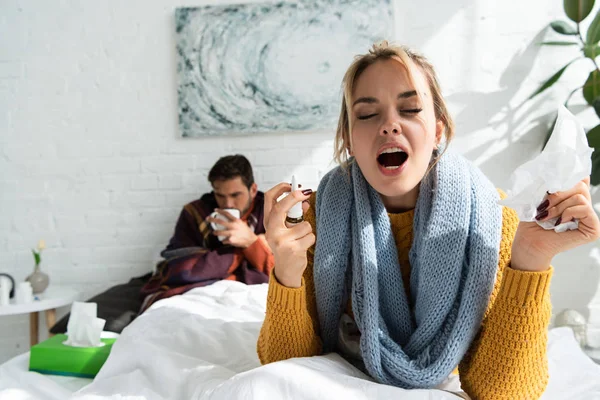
386 51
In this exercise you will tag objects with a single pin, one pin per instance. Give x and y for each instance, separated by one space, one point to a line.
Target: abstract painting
266 68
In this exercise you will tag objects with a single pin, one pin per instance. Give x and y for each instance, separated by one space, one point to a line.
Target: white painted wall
91 161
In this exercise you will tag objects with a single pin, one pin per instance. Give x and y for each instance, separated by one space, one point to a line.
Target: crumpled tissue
84 329
565 161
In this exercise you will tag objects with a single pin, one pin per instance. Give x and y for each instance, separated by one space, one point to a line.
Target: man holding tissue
219 236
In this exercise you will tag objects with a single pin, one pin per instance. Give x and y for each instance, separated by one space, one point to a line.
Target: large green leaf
596 105
558 43
593 137
577 10
591 51
563 28
593 33
551 81
591 87
595 178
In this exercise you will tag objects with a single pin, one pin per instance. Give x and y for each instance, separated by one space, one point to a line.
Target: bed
201 345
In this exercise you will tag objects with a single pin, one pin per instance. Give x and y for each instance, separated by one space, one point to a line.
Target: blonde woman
405 264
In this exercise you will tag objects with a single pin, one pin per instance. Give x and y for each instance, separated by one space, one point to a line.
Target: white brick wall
91 161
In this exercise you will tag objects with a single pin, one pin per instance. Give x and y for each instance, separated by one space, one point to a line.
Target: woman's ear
439 132
349 151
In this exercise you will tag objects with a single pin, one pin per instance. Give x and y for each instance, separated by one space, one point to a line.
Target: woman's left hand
534 247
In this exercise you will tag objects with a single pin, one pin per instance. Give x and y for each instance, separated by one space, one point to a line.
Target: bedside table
49 301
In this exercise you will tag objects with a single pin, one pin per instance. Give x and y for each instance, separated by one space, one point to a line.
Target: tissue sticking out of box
84 328
564 162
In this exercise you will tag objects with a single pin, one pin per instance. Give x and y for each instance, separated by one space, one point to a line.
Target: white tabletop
53 297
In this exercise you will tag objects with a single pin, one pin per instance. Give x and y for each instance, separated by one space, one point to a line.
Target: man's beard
245 210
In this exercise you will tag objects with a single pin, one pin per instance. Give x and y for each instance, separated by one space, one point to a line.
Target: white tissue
84 329
565 161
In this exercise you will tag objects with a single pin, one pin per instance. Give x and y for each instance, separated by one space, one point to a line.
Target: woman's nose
390 128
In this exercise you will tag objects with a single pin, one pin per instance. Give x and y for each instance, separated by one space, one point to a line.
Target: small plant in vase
39 280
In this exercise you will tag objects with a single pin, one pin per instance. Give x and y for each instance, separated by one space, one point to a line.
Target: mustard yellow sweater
507 359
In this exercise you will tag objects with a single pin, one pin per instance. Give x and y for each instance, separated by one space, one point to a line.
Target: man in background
195 256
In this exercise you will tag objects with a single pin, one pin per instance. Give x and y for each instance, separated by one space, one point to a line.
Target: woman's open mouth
392 160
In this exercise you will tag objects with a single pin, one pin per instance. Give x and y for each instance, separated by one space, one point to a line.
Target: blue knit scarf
454 256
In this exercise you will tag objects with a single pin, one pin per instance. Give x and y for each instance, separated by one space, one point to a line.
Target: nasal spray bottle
294 216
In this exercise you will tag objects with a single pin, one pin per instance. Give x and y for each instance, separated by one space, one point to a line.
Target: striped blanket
195 257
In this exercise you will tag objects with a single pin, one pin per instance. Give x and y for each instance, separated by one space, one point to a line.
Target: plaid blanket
195 257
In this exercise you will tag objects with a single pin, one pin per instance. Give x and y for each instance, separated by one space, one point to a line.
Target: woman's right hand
289 243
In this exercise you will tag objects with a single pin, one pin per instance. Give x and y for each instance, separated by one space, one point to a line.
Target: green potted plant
577 11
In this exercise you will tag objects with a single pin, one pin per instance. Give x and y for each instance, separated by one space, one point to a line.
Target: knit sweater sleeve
290 328
507 359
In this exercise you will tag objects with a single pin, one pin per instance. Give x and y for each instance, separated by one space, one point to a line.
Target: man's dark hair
230 167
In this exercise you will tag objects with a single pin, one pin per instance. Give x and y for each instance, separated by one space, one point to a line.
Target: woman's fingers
290 235
576 206
587 180
582 187
558 210
306 241
586 216
279 210
579 212
554 204
271 197
300 230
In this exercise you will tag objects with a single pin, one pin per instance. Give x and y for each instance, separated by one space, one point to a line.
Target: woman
415 269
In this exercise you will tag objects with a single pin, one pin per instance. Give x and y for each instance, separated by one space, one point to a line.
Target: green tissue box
53 357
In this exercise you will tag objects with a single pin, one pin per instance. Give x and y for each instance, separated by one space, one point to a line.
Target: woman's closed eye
402 111
366 116
411 110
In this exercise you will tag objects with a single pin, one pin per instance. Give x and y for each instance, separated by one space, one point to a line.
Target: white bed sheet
201 345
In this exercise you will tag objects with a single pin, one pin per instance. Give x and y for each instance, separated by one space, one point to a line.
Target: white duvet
202 345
